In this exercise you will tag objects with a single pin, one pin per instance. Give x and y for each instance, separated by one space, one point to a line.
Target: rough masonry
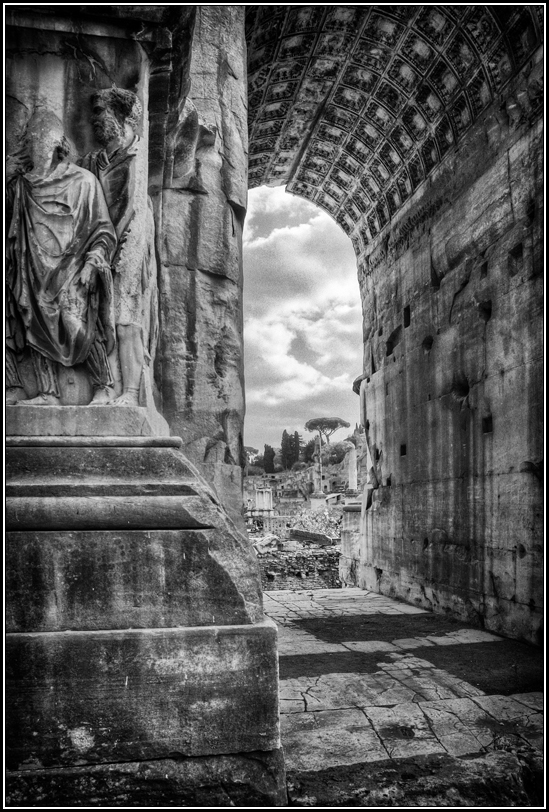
419 130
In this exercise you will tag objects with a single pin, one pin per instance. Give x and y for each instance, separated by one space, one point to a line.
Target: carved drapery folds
60 243
82 323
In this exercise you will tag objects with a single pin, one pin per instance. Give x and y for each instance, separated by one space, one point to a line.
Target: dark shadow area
500 780
508 667
502 668
378 627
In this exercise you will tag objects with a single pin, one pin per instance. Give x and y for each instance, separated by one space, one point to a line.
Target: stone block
105 512
514 339
76 698
111 463
316 538
91 421
105 579
350 533
477 217
516 403
526 168
322 739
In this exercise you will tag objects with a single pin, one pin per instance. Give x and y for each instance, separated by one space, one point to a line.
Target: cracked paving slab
344 691
533 700
510 719
404 730
457 727
410 680
314 741
312 646
394 696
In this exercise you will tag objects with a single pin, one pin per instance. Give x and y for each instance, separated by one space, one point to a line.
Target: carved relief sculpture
121 168
60 244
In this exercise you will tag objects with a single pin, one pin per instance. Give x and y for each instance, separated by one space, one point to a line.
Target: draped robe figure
59 281
131 213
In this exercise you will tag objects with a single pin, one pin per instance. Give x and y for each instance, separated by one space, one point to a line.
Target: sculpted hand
88 277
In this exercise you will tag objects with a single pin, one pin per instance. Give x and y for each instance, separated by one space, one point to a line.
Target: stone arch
354 107
419 130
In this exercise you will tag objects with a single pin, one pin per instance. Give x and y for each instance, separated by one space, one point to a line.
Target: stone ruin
141 670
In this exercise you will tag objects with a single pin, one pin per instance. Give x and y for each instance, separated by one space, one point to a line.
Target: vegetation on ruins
294 454
268 459
334 453
290 449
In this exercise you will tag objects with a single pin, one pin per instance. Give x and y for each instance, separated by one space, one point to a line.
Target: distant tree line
294 453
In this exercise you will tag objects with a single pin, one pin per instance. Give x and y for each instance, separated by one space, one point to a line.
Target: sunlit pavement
364 678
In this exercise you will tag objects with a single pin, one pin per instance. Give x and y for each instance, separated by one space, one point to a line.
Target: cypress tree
268 459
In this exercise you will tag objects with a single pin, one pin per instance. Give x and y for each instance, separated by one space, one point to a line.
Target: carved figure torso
59 223
117 175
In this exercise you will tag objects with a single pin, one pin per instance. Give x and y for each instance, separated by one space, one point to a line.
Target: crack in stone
465 729
429 725
389 752
306 693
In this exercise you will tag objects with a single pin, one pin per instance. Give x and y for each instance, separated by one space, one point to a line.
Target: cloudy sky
302 318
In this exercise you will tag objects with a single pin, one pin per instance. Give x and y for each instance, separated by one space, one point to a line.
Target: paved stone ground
385 704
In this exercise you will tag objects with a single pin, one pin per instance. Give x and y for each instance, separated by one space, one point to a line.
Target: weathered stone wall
452 393
201 208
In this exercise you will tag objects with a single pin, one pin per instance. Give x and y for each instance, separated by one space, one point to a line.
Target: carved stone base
77 698
136 632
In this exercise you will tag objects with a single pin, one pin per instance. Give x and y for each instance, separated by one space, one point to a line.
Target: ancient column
351 492
317 498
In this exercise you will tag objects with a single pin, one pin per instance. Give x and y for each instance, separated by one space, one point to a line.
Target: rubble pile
309 567
294 564
327 521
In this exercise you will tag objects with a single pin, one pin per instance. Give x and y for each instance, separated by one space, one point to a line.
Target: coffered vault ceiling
352 107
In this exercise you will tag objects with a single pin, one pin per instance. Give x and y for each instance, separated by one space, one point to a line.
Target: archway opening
302 317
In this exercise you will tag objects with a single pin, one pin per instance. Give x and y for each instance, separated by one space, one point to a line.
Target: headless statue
59 287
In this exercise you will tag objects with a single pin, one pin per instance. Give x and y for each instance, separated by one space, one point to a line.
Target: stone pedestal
85 421
138 652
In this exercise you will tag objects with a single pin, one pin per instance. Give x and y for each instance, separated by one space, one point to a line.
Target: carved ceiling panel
352 107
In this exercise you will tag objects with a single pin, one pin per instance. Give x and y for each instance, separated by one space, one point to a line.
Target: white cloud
303 337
